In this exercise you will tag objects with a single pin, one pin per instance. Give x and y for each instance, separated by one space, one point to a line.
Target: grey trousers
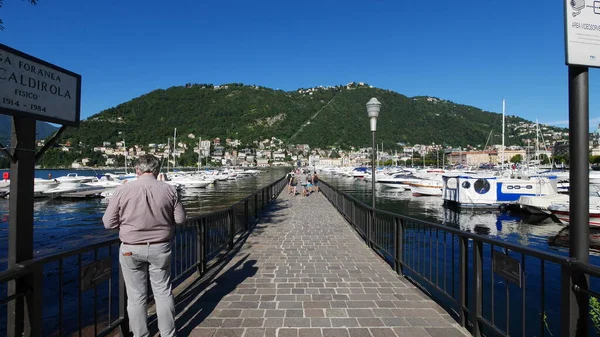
137 262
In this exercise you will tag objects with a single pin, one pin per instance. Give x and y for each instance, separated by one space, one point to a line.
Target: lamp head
373 107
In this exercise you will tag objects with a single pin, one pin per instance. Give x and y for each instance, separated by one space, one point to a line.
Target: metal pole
372 227
579 194
20 234
373 175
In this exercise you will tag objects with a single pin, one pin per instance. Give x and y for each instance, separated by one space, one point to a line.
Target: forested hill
42 129
320 117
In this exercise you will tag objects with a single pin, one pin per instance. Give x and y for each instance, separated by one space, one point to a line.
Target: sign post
582 50
30 90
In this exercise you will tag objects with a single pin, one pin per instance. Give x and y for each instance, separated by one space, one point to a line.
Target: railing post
246 215
369 228
256 205
477 286
204 233
353 206
399 226
463 252
572 302
199 247
231 216
124 326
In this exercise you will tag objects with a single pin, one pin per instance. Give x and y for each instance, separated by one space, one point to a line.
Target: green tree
516 159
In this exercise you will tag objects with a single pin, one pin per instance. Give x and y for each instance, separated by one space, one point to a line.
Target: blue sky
470 52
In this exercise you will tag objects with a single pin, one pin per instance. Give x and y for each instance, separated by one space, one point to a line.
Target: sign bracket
7 153
51 141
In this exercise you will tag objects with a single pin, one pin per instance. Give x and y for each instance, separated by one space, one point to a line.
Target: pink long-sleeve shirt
144 210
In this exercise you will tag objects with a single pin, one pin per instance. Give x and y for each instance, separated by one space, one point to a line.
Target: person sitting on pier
146 211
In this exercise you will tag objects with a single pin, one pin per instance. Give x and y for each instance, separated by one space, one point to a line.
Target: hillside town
269 152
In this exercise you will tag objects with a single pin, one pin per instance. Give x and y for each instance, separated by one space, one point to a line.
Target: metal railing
491 287
81 292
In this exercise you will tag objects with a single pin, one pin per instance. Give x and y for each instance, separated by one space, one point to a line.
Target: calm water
63 224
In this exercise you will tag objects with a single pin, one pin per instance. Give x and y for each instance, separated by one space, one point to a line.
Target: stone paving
304 272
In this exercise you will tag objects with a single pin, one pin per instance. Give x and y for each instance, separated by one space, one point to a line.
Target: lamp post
373 107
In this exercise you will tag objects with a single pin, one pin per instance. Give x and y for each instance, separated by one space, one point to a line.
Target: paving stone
411 332
320 322
336 313
296 322
229 313
229 333
294 313
445 332
370 322
286 332
395 321
309 332
273 322
333 332
253 322
254 332
232 323
438 322
359 332
253 313
203 332
344 322
314 313
382 332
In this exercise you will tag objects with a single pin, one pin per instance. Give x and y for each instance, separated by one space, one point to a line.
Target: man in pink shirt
145 211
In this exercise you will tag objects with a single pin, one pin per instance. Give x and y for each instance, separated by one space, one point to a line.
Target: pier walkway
302 272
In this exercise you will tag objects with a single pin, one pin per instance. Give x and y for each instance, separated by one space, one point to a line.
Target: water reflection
524 229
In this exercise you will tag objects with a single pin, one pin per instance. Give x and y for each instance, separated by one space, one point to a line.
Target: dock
302 272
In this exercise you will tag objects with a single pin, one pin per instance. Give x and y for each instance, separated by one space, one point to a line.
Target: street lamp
373 107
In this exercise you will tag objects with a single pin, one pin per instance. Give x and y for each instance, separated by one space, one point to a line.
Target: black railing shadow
224 284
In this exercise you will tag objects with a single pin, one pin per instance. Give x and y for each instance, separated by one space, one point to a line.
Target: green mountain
42 129
320 117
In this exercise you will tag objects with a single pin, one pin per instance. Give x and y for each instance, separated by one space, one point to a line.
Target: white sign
34 88
582 32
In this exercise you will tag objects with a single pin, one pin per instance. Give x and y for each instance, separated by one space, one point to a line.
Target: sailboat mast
125 153
199 141
503 112
174 148
537 142
168 152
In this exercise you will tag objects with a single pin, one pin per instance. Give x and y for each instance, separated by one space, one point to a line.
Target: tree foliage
33 2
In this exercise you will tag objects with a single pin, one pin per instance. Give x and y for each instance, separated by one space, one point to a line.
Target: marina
77 221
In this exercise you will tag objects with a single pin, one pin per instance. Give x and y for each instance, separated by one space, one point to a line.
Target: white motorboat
489 191
562 211
538 204
400 180
74 190
75 178
427 187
